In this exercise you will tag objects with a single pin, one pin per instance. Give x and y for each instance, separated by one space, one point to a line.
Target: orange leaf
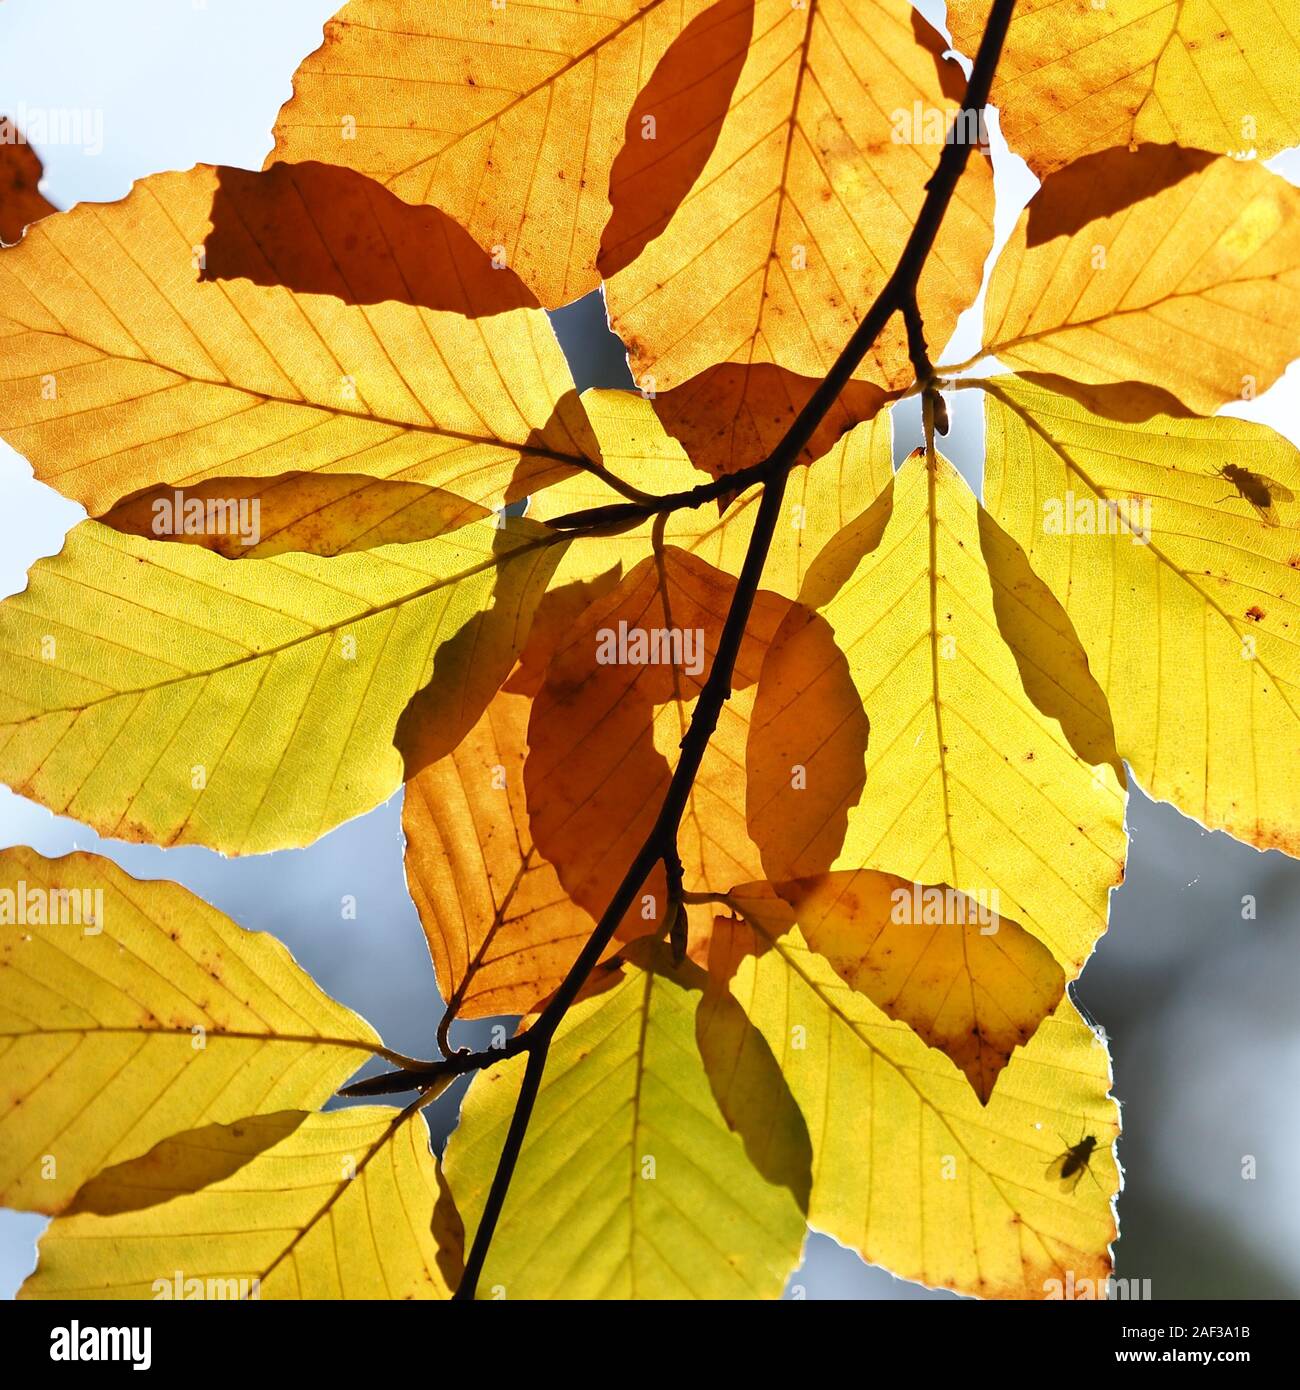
508 118
793 226
21 200
501 930
321 513
609 717
971 983
672 129
806 759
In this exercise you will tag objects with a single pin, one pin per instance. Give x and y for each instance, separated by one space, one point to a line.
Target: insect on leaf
1200 666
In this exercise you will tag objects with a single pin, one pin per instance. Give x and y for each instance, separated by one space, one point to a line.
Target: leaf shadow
318 229
673 128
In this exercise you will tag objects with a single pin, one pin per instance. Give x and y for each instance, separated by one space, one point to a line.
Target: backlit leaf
637 443
607 724
122 365
348 1205
631 1183
910 1170
321 513
968 782
508 118
1184 594
501 929
1079 77
140 1012
1212 317
161 693
970 982
21 200
800 214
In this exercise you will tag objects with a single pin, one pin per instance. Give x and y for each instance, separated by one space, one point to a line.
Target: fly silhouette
1258 489
1068 1168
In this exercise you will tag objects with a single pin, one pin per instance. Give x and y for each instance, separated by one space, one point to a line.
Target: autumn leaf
608 718
130 1011
648 1191
1079 78
161 693
796 221
348 1205
1184 591
1211 318
501 929
640 452
734 415
971 983
509 119
968 782
805 760
672 129
319 513
910 1170
159 374
21 200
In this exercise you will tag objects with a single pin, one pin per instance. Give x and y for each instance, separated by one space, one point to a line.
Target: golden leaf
1077 78
1212 317
800 215
1174 545
348 1205
140 1012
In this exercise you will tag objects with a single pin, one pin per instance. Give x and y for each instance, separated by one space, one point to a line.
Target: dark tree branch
899 295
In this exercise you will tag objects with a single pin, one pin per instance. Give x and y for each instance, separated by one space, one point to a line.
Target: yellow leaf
320 513
631 1183
501 929
158 1015
1080 77
348 1205
1211 316
161 693
125 363
970 982
509 119
968 781
1184 592
644 445
910 1170
799 217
